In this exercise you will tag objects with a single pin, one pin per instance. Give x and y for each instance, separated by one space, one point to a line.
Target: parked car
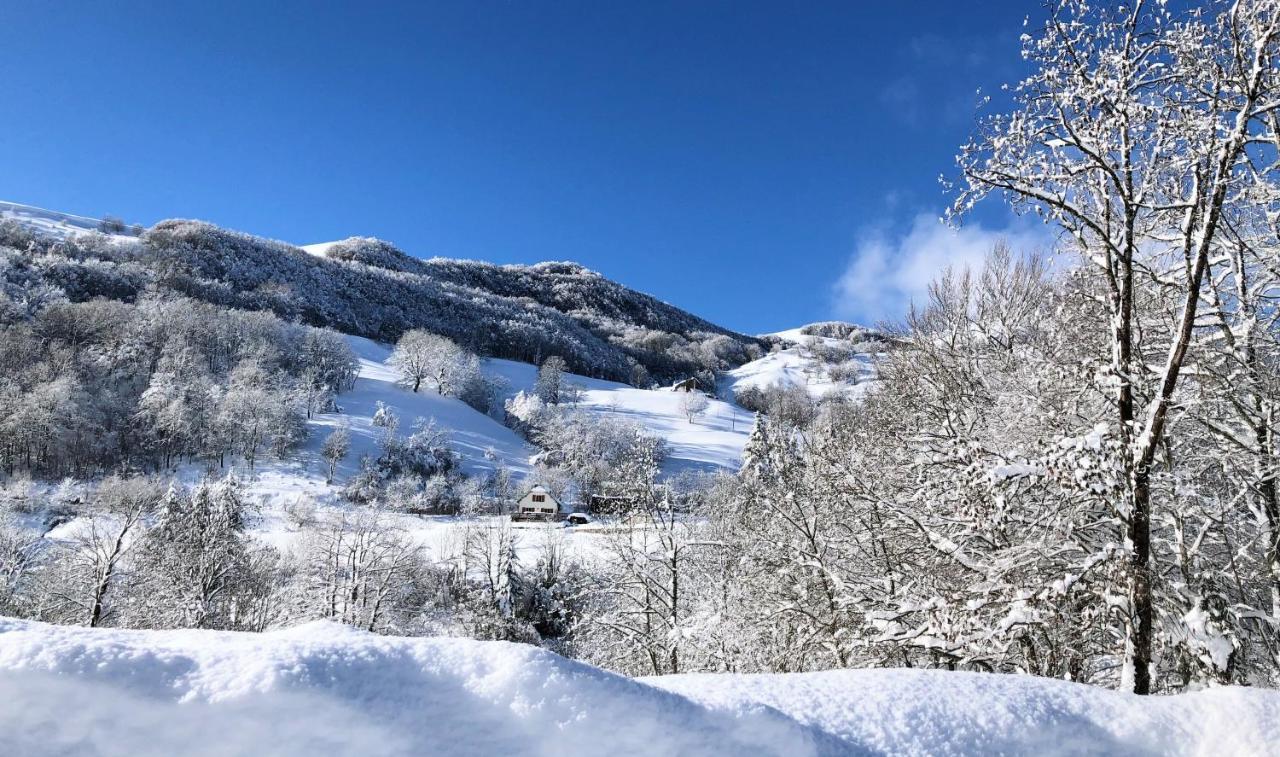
577 519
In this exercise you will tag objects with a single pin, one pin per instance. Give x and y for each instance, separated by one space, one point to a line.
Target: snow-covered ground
319 249
326 689
937 712
50 222
794 366
713 440
479 441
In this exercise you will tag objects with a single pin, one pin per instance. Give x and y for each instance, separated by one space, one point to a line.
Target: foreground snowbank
325 689
937 712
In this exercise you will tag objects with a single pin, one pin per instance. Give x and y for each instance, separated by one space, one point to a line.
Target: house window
539 498
546 510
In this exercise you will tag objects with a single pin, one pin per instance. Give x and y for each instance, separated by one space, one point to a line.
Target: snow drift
323 688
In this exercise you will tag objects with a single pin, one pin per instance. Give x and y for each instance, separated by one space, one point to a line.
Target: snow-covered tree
693 404
550 380
335 448
87 568
1134 135
421 355
196 559
359 568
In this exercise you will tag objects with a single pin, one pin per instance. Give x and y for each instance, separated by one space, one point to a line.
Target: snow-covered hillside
49 222
714 439
326 689
795 365
479 441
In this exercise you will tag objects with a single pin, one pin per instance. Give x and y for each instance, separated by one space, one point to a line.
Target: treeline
143 553
368 288
93 387
147 552
969 512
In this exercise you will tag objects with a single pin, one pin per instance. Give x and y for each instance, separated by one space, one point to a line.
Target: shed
685 385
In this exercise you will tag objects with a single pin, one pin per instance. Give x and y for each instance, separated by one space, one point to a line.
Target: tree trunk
1141 610
1271 508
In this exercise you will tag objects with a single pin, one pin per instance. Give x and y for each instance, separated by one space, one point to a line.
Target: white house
538 501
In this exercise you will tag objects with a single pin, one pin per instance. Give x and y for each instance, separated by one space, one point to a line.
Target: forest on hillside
369 288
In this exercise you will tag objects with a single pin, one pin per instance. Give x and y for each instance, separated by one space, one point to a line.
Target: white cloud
888 271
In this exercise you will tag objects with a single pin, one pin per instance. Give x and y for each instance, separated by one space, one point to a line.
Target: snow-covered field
326 689
792 366
712 440
479 441
51 222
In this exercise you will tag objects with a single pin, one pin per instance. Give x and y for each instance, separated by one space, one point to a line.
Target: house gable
538 500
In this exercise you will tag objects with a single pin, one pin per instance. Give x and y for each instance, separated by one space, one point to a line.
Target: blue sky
762 165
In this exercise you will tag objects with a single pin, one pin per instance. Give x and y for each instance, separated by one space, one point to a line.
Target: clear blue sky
736 159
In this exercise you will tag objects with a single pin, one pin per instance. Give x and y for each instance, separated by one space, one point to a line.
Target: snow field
790 366
714 439
325 688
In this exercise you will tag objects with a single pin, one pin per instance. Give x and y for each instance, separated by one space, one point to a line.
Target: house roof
539 489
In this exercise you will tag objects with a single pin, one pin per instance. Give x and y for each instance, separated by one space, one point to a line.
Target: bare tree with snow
693 404
423 356
1130 136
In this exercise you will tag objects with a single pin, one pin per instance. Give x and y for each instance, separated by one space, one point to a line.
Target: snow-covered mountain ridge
369 288
714 441
56 223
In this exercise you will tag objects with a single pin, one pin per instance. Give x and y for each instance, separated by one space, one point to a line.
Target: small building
538 504
685 385
603 504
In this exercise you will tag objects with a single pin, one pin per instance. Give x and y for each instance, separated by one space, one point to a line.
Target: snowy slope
714 440
319 249
326 689
472 434
480 442
793 366
789 367
50 222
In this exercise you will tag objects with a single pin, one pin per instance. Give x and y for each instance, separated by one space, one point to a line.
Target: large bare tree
1135 134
